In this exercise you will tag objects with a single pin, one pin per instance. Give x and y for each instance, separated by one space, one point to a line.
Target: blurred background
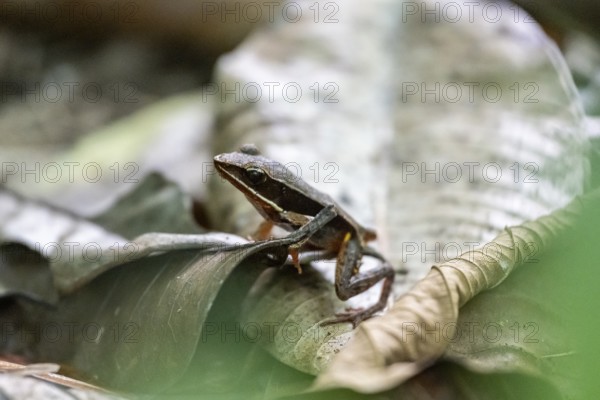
69 68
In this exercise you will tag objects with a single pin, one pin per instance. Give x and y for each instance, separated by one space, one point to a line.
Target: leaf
155 205
239 368
24 387
79 250
164 299
24 272
53 233
423 323
144 319
85 174
436 174
296 305
137 327
41 381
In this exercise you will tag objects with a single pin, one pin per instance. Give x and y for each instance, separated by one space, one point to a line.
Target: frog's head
263 181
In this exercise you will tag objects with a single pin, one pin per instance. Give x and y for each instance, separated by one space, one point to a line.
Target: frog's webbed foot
353 315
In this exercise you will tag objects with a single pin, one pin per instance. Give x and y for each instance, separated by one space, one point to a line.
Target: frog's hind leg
349 281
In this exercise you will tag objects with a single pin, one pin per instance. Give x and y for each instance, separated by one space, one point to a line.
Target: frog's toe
352 315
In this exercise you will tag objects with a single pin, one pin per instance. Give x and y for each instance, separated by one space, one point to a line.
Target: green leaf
155 205
23 272
78 250
137 326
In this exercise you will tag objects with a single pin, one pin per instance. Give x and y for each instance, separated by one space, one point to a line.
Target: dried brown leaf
41 381
387 351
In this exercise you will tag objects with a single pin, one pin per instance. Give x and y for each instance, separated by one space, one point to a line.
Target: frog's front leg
349 282
295 220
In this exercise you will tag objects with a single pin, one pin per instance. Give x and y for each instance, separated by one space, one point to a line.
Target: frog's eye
255 175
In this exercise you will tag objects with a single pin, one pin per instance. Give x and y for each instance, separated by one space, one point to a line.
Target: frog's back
305 199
